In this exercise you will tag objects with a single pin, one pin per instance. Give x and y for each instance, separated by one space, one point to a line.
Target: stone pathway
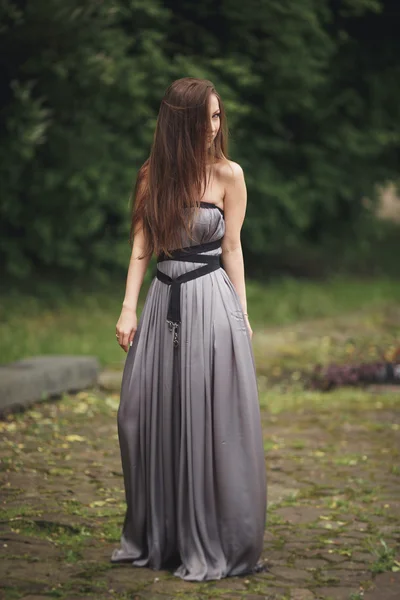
333 523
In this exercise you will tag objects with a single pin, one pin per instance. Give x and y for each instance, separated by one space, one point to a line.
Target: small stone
385 587
290 574
110 380
301 594
338 593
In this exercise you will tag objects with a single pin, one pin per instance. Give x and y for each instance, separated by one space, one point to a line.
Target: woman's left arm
235 202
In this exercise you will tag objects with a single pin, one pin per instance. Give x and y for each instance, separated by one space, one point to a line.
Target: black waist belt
187 254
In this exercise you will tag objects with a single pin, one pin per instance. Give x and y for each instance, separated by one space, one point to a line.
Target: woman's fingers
125 339
130 340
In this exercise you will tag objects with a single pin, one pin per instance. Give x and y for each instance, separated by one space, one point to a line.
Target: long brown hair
174 177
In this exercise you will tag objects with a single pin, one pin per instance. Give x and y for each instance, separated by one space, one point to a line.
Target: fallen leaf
75 438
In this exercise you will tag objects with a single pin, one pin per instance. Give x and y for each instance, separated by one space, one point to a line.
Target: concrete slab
40 377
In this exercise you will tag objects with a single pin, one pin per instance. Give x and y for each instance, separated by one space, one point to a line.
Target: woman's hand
126 327
246 318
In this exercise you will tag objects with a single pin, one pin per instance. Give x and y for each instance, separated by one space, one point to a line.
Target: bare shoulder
229 172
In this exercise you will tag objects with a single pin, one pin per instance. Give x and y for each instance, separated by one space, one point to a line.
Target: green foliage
48 319
312 101
385 559
82 87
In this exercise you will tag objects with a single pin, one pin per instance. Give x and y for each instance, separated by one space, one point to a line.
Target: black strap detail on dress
187 254
211 205
183 253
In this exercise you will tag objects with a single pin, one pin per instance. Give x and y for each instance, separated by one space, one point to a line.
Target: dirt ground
333 519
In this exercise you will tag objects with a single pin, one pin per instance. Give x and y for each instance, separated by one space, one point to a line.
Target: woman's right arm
127 323
136 272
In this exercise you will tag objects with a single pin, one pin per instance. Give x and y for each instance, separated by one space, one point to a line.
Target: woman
188 420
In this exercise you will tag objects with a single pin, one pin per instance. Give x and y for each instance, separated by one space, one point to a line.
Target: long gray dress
189 429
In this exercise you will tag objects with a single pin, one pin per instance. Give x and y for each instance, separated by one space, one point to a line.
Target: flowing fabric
189 428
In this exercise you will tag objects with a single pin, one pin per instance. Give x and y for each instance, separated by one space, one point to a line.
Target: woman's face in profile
213 118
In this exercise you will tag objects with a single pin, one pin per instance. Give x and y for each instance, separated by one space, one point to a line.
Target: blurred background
312 95
312 92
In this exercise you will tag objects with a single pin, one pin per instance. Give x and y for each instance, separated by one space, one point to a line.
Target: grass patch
276 401
81 319
11 593
59 534
385 558
288 300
